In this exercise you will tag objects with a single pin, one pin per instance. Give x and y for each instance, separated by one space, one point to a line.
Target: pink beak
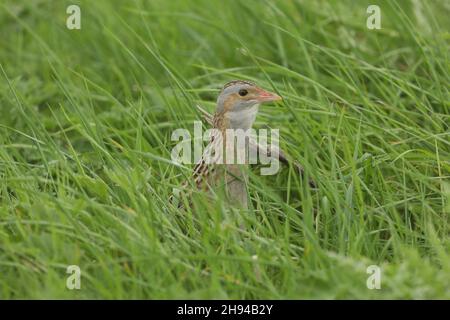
265 96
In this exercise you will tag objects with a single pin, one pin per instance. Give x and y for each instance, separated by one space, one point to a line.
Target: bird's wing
204 170
211 155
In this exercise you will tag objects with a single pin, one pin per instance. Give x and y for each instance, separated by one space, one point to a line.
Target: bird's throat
241 119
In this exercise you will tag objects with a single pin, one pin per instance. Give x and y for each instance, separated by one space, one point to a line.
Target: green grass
85 123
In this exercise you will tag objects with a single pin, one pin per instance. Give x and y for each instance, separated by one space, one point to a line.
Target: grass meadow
86 118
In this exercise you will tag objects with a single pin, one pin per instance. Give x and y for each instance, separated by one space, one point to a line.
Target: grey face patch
231 88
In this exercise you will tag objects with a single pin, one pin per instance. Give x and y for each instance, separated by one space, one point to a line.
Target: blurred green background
85 123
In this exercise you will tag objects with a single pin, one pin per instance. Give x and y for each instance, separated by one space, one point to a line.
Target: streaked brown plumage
237 106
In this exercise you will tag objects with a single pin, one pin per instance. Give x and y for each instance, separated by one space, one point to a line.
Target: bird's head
239 101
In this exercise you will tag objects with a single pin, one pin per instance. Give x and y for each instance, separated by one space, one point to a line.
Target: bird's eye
243 92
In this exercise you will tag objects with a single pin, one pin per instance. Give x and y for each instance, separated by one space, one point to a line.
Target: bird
236 108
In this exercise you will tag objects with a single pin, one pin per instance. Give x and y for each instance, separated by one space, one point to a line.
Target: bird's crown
237 82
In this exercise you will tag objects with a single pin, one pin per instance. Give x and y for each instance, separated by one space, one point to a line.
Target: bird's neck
239 120
220 122
242 119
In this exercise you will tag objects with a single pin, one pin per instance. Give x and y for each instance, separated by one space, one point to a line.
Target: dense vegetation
86 118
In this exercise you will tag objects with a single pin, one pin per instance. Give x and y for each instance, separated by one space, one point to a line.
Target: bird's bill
265 96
